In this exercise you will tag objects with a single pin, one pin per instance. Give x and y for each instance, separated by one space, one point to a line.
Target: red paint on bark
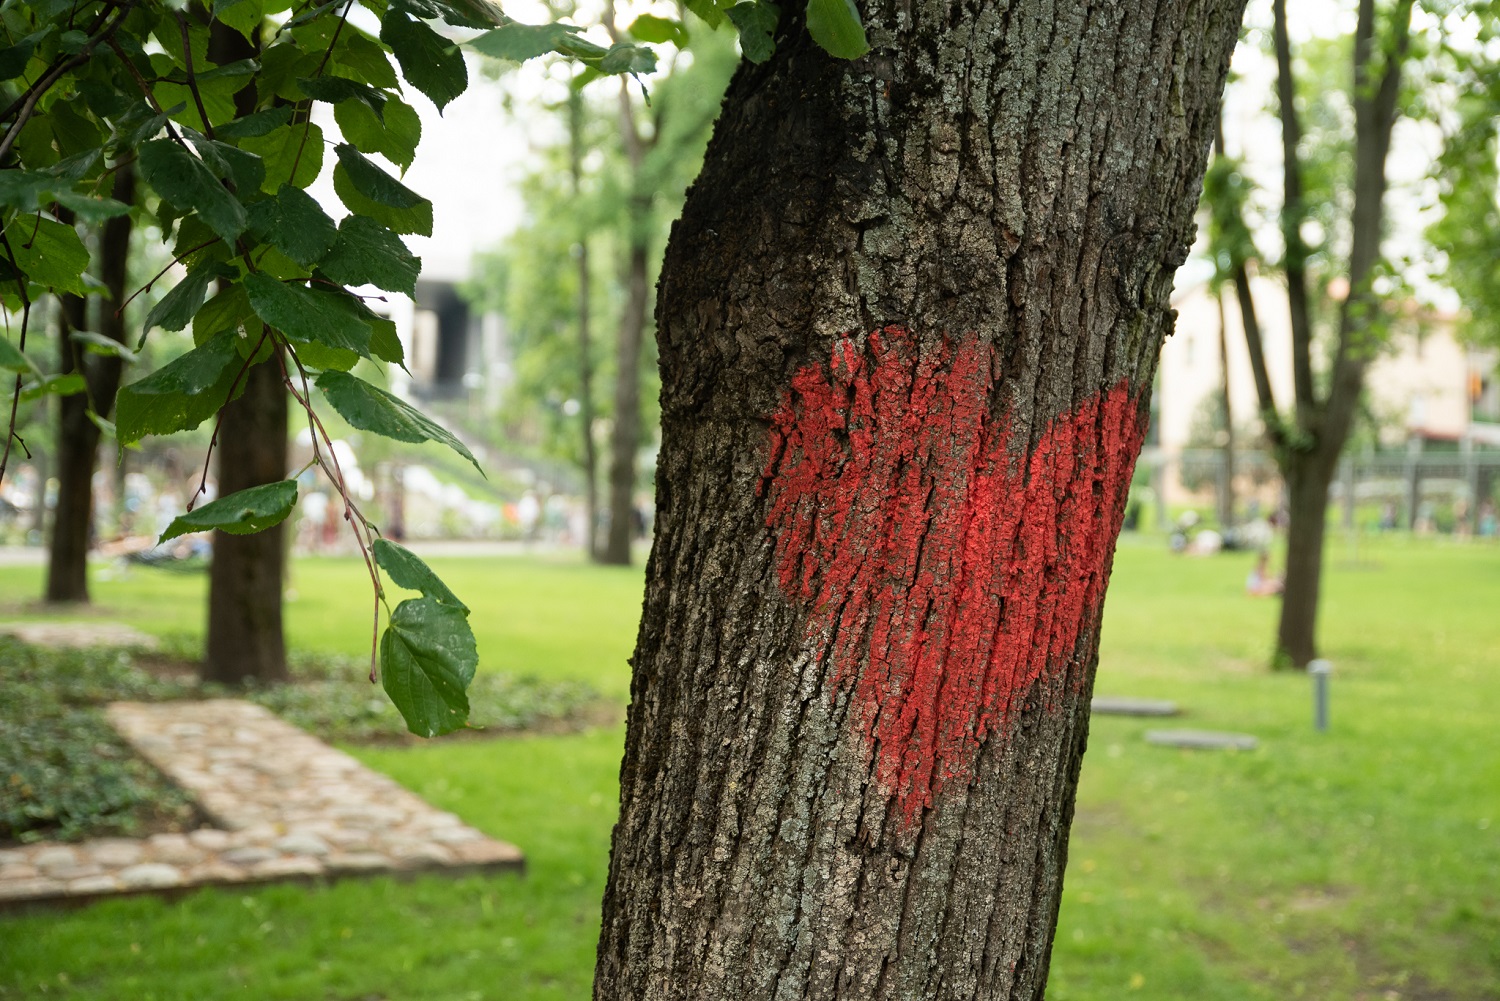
945 568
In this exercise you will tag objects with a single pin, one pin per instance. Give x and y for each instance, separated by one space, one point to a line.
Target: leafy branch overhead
212 104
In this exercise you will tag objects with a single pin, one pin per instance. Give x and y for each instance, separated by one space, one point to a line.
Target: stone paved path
79 634
284 806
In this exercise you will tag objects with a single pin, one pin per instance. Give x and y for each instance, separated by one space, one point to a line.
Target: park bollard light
1320 670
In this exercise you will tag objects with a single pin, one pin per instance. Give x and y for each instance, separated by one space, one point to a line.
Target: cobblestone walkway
284 805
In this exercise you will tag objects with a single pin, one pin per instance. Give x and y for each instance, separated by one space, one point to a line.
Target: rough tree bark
1307 446
907 324
77 436
625 438
245 638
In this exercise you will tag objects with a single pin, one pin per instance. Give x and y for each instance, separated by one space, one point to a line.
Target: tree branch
15 398
1293 212
1374 120
192 78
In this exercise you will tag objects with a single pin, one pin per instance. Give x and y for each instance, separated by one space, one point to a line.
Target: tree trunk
908 324
1225 495
77 436
585 340
625 440
245 638
1307 482
77 449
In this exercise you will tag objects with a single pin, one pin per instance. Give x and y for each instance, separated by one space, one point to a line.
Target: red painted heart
944 570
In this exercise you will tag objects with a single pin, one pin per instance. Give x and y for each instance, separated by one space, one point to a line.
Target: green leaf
416 219
33 190
100 345
427 660
54 385
371 409
624 57
756 21
13 59
49 253
835 25
175 309
374 183
323 358
243 16
365 59
13 360
309 315
87 208
254 125
228 310
463 13
187 183
197 244
369 254
407 570
385 344
519 42
430 62
230 163
292 154
243 512
708 11
294 223
650 28
336 89
395 137
181 394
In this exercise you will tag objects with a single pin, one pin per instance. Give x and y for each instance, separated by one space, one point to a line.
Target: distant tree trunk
77 436
245 637
1226 448
585 340
77 448
625 439
907 326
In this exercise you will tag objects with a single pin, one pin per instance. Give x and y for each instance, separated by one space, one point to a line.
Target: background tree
596 218
1307 438
907 325
1467 234
96 353
245 639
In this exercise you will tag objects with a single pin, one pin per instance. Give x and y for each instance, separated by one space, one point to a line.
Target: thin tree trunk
585 344
625 439
1226 450
245 637
77 436
907 325
1293 213
77 449
1307 485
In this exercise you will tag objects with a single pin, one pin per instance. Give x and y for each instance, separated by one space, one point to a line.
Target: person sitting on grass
1260 583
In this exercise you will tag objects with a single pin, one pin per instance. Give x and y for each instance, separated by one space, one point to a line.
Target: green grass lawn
1359 864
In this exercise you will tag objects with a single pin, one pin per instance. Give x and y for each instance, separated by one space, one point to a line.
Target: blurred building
1426 389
